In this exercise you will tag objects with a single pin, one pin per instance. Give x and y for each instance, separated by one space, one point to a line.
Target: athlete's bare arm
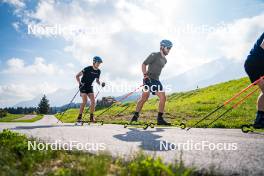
78 77
144 70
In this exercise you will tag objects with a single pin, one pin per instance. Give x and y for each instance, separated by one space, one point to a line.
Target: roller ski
101 122
80 122
160 122
180 125
144 126
135 124
251 128
258 125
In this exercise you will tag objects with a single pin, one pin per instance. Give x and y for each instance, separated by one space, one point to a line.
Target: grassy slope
12 117
188 107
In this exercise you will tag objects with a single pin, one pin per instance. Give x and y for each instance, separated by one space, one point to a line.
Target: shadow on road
148 140
39 126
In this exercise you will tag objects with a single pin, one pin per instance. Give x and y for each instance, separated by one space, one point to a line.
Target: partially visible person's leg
259 122
92 105
92 102
162 101
144 97
260 101
83 104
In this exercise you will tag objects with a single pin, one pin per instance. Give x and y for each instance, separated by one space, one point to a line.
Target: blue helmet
166 43
97 59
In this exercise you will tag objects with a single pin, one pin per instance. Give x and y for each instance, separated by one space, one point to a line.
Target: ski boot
79 120
161 121
134 118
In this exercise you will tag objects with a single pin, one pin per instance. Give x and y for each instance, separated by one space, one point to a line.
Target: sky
122 32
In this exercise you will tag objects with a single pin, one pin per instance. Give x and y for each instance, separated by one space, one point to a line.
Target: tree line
43 108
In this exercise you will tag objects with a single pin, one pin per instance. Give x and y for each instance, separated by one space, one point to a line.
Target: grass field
38 117
17 160
187 107
13 117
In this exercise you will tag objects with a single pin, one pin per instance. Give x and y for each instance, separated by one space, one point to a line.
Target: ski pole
234 106
125 108
68 106
122 111
227 102
125 97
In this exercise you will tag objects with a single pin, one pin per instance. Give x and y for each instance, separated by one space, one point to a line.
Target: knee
84 102
92 102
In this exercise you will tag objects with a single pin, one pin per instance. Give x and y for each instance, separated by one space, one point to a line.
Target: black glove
103 84
146 80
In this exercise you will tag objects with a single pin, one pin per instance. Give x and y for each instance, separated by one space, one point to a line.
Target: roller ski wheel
246 128
152 125
182 125
250 128
78 123
125 125
145 126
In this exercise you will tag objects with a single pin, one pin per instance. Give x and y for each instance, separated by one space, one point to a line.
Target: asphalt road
227 150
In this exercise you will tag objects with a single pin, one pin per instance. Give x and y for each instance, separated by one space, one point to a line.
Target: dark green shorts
86 89
152 85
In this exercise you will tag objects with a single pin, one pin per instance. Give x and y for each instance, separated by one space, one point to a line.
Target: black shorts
152 85
254 66
86 89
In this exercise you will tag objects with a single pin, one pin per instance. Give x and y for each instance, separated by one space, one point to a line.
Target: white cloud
126 32
238 38
13 93
39 67
70 65
127 36
16 26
